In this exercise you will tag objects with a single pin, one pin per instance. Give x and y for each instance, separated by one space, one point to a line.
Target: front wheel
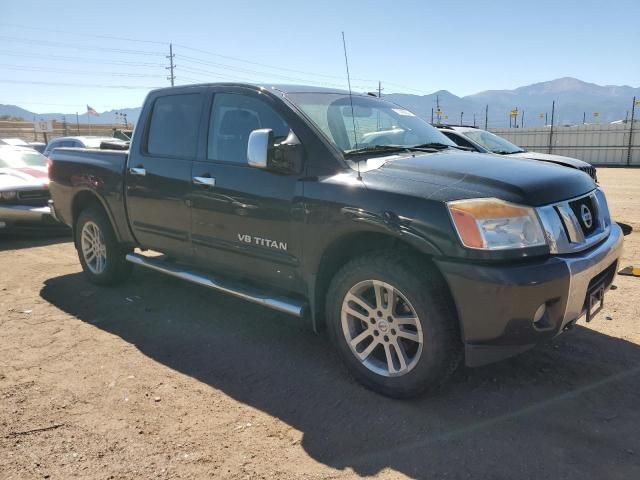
392 321
101 256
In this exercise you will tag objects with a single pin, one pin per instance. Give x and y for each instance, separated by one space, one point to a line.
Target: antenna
353 117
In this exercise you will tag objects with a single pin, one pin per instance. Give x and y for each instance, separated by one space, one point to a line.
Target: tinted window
173 130
233 118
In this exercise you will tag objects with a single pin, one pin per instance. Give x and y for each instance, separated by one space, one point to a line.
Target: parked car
349 211
482 141
86 141
16 142
24 192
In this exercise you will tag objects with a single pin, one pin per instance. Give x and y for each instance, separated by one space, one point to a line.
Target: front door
243 218
158 176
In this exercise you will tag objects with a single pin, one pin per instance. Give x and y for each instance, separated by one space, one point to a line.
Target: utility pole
461 114
584 117
77 123
553 111
438 112
171 66
126 124
546 120
379 89
522 120
431 115
474 119
633 113
486 116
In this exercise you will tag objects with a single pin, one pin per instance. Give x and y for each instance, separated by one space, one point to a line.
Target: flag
91 111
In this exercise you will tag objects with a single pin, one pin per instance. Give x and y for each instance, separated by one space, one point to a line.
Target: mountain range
573 98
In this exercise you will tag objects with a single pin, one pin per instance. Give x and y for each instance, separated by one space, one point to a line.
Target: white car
479 140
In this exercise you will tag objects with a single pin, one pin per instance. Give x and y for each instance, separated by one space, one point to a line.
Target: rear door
158 177
244 218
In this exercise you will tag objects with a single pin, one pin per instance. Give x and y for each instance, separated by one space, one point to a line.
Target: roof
86 137
283 88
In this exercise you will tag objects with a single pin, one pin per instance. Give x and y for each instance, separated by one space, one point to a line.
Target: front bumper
25 214
496 304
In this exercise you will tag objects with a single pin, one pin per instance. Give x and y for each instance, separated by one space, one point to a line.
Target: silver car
24 189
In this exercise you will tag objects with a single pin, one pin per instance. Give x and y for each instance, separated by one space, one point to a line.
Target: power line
77 72
254 72
60 84
237 59
79 47
110 37
83 60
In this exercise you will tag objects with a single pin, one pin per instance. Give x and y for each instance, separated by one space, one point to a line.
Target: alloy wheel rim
94 250
381 328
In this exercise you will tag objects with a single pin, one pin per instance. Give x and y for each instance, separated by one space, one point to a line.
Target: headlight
8 195
492 224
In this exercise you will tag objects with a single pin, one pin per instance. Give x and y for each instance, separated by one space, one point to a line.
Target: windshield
21 158
492 142
374 123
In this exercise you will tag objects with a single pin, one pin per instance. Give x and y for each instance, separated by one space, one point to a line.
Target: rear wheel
101 256
390 318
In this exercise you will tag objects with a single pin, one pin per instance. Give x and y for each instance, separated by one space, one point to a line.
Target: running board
282 304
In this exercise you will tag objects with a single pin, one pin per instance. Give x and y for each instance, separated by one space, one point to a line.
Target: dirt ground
162 379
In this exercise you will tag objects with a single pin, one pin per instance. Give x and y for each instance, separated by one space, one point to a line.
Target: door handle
207 181
138 171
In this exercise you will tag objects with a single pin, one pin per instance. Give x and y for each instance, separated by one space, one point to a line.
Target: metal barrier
606 144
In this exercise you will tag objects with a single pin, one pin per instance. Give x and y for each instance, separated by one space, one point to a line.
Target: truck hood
547 157
454 175
23 178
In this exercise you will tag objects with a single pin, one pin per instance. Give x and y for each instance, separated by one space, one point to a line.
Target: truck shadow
564 410
16 240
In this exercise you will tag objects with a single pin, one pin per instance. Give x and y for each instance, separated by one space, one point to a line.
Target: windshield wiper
377 149
432 145
506 152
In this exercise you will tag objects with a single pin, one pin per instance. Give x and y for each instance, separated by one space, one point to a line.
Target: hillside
573 97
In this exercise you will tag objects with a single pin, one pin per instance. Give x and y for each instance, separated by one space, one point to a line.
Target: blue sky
411 46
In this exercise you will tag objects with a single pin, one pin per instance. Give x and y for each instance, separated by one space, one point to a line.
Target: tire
430 345
100 239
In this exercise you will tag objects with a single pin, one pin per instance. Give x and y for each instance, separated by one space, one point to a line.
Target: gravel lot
161 379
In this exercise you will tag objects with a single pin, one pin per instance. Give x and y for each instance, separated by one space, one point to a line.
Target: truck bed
75 169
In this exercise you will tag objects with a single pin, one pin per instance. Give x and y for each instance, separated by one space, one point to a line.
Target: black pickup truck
348 211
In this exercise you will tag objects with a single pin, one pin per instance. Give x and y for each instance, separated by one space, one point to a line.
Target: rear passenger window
233 118
173 130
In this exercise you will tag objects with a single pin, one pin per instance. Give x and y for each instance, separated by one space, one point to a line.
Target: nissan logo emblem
587 218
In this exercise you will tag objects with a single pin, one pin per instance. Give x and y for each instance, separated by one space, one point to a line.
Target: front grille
591 171
38 198
586 214
568 230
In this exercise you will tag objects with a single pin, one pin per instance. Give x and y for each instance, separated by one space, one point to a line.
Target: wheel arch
350 246
85 199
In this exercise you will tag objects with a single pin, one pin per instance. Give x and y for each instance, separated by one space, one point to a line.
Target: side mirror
260 148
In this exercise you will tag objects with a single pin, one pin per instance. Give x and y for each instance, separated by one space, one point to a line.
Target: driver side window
233 118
